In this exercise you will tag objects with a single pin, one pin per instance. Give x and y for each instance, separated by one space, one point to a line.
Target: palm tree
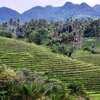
78 90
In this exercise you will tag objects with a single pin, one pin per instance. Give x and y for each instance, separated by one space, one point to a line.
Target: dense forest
61 36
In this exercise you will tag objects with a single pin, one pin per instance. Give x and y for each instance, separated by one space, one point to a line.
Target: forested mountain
59 13
52 13
7 13
97 8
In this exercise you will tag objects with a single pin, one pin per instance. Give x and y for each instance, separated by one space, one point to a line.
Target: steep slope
19 54
6 14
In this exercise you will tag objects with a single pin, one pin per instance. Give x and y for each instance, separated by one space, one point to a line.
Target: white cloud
22 5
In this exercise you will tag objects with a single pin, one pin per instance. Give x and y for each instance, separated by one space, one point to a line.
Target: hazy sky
22 5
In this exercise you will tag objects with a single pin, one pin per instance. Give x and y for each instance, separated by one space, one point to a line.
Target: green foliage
78 89
93 29
7 74
38 36
94 59
80 53
6 34
62 49
55 35
18 54
25 88
95 96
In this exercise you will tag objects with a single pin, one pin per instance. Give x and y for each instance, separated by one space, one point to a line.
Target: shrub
78 90
7 74
93 51
6 34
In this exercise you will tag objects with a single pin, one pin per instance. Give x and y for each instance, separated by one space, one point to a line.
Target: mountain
97 8
74 10
57 13
52 13
38 12
7 13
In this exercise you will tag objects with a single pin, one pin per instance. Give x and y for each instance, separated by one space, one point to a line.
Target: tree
78 90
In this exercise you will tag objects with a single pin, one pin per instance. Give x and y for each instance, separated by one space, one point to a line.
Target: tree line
56 35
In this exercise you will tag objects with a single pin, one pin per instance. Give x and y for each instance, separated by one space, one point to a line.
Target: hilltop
18 54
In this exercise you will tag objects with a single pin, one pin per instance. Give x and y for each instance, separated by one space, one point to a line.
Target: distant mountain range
52 13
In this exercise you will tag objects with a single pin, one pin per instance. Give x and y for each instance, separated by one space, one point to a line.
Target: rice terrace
50 50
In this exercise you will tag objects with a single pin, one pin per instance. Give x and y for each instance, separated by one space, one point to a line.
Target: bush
78 90
28 86
93 51
6 34
7 74
34 87
38 36
63 49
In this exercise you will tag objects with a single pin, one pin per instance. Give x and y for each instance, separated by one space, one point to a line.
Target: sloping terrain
90 58
7 13
18 54
97 8
94 58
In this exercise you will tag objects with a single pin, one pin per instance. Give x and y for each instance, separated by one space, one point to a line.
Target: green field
95 59
18 54
95 96
87 56
88 41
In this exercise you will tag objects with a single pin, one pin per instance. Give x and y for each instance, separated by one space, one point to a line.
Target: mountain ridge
49 12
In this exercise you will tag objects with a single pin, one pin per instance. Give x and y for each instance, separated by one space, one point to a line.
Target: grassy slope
95 96
94 59
89 41
87 57
90 58
15 53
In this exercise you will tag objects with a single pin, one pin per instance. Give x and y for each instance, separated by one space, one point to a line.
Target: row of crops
22 55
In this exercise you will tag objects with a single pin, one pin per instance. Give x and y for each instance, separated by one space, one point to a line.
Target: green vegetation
5 33
22 55
95 96
22 85
61 37
78 67
94 58
80 53
87 54
89 41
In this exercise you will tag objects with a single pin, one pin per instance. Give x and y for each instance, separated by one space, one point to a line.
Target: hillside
90 58
97 8
18 54
7 13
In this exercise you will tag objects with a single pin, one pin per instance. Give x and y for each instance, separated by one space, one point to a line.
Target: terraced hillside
19 54
94 58
89 41
87 56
